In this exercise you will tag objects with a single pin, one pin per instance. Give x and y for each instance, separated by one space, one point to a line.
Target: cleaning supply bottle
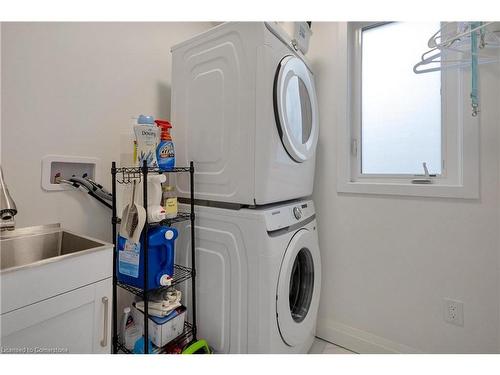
165 153
161 244
146 136
156 212
161 256
127 321
170 201
129 332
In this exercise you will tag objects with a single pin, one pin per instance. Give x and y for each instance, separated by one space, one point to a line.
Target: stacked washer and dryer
244 110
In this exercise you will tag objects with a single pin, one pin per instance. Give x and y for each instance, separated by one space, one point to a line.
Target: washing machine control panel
284 216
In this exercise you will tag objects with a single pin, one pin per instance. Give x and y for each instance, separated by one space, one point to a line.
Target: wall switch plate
454 312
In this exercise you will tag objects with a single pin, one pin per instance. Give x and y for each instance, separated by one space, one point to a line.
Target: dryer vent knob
297 212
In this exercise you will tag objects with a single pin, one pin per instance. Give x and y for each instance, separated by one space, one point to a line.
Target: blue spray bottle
165 153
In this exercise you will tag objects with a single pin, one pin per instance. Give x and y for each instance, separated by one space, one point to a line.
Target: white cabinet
78 321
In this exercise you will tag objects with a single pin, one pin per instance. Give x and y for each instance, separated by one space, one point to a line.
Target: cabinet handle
104 341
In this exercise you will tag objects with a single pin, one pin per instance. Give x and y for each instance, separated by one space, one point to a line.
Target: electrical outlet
454 312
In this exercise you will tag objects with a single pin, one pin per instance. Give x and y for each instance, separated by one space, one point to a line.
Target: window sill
409 189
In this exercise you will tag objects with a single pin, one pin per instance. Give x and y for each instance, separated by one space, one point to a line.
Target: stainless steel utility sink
38 263
30 246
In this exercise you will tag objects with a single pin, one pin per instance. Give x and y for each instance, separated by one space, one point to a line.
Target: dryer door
296 108
298 288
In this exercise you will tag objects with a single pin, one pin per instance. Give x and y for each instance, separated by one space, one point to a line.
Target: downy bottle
146 136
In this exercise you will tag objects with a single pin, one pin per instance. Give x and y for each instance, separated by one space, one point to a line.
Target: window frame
459 132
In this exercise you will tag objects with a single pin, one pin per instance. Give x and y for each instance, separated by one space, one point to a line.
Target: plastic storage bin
162 330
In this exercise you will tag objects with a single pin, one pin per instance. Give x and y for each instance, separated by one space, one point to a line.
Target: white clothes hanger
458 48
438 57
464 31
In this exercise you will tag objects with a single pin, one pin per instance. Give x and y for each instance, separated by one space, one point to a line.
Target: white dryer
244 109
258 277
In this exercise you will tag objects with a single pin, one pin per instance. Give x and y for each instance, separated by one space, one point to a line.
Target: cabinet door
72 322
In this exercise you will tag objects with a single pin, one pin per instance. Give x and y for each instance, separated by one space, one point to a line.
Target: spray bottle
165 153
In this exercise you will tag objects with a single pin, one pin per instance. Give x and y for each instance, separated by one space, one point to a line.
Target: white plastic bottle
156 212
125 321
129 332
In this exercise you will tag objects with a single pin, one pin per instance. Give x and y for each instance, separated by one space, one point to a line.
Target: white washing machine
244 109
258 277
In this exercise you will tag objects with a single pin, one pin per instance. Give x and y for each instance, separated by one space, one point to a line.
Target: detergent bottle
165 153
161 242
161 257
156 212
146 137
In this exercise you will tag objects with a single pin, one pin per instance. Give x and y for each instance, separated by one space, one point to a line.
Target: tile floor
324 347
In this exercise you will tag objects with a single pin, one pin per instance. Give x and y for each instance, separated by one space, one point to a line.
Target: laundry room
323 189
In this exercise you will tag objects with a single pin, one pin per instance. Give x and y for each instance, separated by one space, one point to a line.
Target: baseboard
357 340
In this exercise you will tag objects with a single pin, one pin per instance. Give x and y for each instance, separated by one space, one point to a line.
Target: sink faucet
7 206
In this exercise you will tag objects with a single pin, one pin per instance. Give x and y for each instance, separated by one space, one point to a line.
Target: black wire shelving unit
182 273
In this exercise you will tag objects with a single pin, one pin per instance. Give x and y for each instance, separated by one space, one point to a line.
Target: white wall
69 89
388 261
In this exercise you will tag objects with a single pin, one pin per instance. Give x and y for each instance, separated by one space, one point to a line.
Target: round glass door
296 108
298 288
301 285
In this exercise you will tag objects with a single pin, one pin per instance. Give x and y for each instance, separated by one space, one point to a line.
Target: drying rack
182 273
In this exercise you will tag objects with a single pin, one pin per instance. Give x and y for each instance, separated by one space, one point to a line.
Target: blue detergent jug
130 259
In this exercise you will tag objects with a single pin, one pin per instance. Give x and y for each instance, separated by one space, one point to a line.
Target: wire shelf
181 274
125 175
172 347
181 216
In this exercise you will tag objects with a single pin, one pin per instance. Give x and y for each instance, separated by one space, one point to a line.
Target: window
400 110
397 120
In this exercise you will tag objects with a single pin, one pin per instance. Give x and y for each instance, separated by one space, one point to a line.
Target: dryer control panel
284 216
